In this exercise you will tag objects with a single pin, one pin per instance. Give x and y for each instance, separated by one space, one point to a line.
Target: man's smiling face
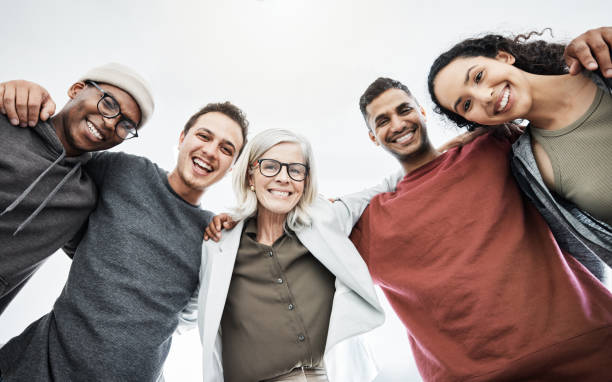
207 150
397 123
85 129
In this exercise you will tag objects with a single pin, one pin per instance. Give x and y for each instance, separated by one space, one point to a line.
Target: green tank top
581 158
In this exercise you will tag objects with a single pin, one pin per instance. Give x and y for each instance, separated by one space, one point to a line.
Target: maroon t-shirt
475 275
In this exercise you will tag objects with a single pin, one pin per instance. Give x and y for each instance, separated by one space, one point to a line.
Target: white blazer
355 308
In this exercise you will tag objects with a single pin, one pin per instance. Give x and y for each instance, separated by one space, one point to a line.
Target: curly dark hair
376 88
537 57
230 110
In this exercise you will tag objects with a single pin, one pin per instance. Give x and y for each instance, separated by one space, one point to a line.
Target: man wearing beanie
46 196
136 267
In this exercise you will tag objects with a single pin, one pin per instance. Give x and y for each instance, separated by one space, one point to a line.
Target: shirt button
290 306
279 281
301 338
270 254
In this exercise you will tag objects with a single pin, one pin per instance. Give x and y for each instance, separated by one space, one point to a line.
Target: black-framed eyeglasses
108 107
271 167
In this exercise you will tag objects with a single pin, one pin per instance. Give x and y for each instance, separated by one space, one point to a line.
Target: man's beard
423 147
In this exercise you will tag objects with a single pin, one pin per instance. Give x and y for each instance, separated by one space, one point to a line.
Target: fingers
48 107
601 50
213 231
32 108
590 50
8 104
573 65
228 222
24 102
2 86
602 54
208 234
216 223
578 55
21 105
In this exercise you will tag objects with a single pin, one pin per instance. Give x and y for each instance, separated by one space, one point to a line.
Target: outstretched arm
590 50
25 102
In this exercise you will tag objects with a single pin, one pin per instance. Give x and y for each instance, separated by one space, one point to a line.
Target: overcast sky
291 64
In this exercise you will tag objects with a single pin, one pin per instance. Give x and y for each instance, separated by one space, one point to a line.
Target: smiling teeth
201 163
504 100
280 193
405 138
94 131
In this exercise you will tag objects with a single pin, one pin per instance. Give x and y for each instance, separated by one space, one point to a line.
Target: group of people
491 252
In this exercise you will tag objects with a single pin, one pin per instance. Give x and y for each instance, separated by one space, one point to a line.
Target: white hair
299 216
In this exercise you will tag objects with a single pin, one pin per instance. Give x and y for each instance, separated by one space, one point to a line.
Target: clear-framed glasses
108 107
271 167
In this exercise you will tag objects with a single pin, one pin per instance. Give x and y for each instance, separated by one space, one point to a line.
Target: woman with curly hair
564 163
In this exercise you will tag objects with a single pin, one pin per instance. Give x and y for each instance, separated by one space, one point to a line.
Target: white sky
293 64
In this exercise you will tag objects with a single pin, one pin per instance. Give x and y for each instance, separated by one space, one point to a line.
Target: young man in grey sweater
45 196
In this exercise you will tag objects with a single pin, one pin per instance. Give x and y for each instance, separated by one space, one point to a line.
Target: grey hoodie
586 238
45 198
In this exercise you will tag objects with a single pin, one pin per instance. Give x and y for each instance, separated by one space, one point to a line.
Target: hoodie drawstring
49 196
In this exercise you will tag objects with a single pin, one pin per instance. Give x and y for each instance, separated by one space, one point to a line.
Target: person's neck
558 100
187 193
417 161
270 226
59 125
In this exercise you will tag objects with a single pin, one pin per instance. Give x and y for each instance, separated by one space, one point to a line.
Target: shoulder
203 217
207 215
120 167
111 156
14 137
320 208
4 122
322 213
8 131
120 159
497 138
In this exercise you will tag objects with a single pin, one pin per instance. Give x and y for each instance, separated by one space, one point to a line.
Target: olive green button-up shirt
277 310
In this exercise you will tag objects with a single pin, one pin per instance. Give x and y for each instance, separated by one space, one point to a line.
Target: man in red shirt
469 266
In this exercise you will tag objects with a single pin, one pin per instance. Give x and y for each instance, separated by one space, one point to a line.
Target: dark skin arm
25 102
590 50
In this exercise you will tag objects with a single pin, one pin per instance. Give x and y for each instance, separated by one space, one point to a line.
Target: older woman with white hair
285 287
